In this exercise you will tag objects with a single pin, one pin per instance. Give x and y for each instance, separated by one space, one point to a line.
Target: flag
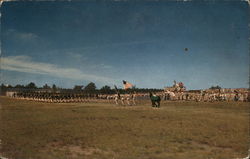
127 85
181 84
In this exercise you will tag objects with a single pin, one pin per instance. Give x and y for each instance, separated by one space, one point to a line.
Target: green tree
215 87
90 88
19 86
9 86
77 88
54 88
3 89
46 86
105 90
31 85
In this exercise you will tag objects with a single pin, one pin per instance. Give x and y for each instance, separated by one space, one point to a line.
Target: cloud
71 51
27 36
87 62
24 36
25 64
76 56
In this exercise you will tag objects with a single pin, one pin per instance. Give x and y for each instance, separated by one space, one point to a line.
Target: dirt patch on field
75 151
83 151
209 148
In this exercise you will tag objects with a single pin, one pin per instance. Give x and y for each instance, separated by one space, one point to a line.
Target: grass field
178 130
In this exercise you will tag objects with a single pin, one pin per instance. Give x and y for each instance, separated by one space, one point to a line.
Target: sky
143 42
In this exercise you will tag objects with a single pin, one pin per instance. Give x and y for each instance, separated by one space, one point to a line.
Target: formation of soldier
130 99
55 97
175 93
207 96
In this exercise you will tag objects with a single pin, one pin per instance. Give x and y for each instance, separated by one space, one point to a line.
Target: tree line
90 88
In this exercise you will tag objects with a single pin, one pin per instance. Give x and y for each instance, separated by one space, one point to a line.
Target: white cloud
25 64
90 64
26 36
76 56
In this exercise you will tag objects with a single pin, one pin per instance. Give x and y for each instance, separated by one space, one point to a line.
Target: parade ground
103 130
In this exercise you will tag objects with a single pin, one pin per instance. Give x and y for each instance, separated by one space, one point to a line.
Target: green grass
178 130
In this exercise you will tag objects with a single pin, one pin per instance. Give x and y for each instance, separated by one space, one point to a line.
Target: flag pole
117 92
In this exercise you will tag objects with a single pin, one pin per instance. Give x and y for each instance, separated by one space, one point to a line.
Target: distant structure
177 87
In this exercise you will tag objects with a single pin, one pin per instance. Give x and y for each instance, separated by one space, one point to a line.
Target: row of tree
89 88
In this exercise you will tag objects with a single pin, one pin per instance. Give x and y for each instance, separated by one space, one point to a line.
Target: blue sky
143 42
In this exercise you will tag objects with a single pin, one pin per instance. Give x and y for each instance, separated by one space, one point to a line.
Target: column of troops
207 96
165 95
54 97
